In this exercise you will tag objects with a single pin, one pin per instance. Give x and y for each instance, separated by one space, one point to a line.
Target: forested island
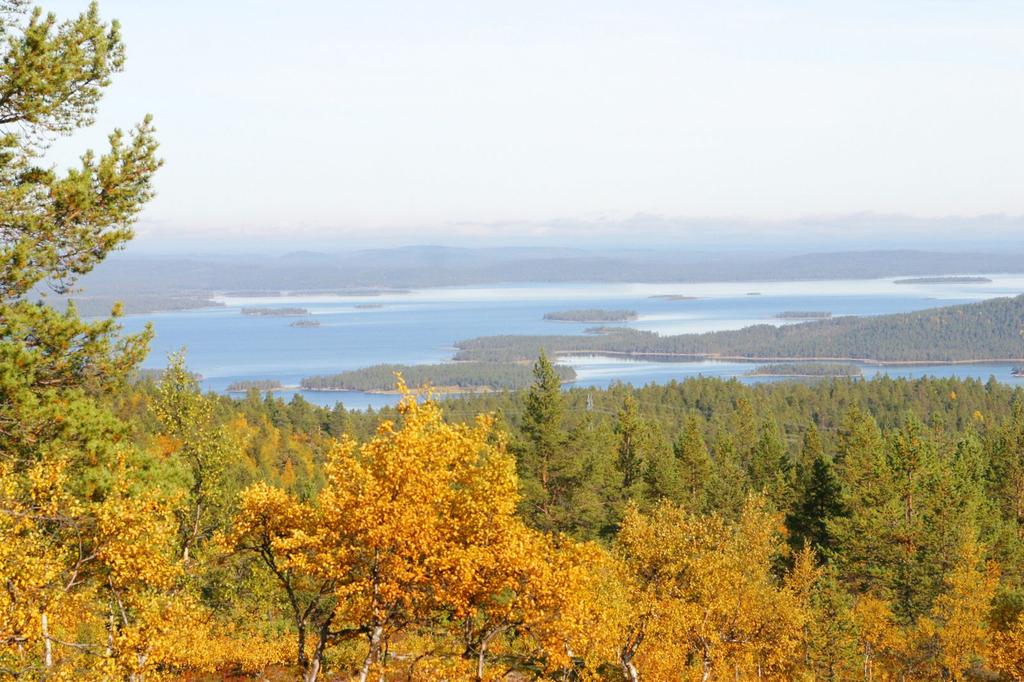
274 312
444 377
989 330
807 369
591 315
803 315
305 324
254 384
946 279
673 297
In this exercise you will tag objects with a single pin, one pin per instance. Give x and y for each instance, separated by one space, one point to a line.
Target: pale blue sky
436 121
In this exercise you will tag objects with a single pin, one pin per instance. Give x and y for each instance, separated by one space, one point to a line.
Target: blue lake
421 327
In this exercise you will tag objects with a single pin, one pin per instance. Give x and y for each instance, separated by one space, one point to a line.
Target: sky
549 121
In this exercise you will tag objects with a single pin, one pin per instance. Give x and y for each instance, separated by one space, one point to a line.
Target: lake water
421 327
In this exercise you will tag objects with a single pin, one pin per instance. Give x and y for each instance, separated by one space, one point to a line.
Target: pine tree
902 527
664 475
768 466
729 485
81 530
810 450
542 461
593 508
634 450
694 463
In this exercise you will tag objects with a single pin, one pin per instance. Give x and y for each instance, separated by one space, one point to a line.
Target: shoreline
439 390
748 358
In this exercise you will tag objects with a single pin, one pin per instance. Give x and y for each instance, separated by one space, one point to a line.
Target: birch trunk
44 624
376 635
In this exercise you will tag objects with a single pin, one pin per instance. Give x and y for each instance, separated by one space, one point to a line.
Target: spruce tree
820 502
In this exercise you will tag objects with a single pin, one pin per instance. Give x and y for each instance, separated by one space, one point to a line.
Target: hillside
169 282
975 331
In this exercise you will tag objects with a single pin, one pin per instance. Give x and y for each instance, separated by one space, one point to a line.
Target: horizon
396 123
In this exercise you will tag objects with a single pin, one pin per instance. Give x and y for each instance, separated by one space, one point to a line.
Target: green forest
498 376
989 330
807 369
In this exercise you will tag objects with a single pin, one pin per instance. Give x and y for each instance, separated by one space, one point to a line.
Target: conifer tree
664 476
818 503
768 465
810 449
542 462
60 443
694 463
634 450
593 503
729 484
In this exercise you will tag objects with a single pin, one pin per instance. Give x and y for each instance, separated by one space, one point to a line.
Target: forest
807 369
989 330
705 530
498 376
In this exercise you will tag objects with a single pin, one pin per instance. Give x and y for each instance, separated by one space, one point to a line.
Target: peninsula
989 331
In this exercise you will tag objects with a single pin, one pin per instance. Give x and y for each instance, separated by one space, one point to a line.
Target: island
368 306
987 331
673 297
951 279
803 315
254 385
449 377
274 312
591 315
807 369
305 324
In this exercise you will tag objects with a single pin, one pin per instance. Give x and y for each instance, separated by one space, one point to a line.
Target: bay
422 326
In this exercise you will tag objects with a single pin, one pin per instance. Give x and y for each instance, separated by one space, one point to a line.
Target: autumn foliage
699 531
